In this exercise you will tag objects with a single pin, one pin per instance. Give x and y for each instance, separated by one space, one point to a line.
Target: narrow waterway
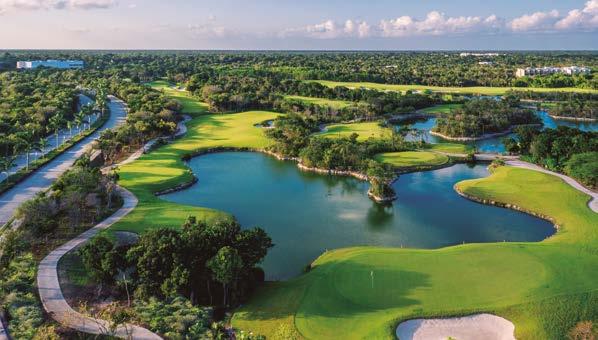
306 213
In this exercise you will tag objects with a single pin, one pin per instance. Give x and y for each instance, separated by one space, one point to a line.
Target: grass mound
364 130
408 159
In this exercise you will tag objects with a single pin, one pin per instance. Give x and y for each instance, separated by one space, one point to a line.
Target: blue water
307 213
490 145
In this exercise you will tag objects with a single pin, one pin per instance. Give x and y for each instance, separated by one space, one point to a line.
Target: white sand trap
472 327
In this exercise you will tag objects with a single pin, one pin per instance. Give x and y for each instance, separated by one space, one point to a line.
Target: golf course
481 90
364 292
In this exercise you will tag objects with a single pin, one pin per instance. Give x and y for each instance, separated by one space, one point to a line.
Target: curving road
51 295
41 179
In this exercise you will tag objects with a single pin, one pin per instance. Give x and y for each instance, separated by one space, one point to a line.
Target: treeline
553 96
575 109
483 116
33 105
151 114
425 68
564 149
266 90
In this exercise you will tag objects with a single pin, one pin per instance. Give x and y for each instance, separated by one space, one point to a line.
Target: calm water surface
307 213
492 145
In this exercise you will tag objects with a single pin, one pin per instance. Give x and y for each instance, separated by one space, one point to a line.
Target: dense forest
484 116
33 106
575 109
425 68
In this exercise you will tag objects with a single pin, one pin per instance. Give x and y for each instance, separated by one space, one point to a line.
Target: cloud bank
32 5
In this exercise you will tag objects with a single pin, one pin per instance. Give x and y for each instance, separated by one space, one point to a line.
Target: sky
300 24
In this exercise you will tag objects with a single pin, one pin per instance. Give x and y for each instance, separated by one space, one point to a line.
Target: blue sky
304 24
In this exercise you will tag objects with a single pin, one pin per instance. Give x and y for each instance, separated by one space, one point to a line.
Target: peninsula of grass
450 148
441 109
364 130
412 159
335 104
544 288
490 91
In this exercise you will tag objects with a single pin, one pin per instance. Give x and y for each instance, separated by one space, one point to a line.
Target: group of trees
33 106
151 114
204 262
564 149
575 109
482 116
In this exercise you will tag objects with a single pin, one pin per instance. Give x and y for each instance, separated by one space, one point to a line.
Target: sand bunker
473 327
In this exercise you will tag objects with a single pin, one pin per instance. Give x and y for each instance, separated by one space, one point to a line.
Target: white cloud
538 21
330 29
436 23
208 31
584 19
31 5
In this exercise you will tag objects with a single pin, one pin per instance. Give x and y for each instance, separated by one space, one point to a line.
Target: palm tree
79 119
7 163
42 144
56 122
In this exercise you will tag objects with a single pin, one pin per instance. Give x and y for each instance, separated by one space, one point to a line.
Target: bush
584 167
176 319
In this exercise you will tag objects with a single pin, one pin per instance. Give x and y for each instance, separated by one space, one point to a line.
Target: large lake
306 213
493 145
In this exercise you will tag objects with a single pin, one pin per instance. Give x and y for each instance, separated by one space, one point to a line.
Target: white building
569 70
62 64
473 54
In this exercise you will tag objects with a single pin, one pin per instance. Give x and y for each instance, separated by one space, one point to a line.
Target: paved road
53 142
44 176
593 203
51 295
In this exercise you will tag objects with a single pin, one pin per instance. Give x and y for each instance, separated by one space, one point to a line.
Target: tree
380 178
7 163
225 267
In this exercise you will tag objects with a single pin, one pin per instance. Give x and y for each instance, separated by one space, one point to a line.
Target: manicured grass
337 104
449 148
491 91
364 130
533 284
408 159
444 108
191 106
163 168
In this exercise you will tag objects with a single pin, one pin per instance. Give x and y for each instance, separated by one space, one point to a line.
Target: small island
577 110
483 118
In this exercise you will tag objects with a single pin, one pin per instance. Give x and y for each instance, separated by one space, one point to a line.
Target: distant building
471 54
62 64
485 63
569 70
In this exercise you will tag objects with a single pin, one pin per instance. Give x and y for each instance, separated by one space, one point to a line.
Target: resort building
62 64
569 70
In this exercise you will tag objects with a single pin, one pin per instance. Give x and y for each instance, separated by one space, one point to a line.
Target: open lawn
163 168
363 292
444 108
364 130
337 104
409 159
191 106
490 91
449 148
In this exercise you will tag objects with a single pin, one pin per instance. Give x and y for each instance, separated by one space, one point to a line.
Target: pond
307 213
490 145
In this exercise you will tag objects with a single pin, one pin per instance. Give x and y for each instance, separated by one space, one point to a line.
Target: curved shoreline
574 119
482 137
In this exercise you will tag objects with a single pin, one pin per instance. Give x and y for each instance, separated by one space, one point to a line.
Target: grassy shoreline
526 282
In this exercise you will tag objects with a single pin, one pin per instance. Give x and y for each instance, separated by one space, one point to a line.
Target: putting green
363 292
407 159
364 130
336 104
491 91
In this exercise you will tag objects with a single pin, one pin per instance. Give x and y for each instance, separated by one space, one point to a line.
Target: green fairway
491 91
336 104
363 292
444 108
408 159
454 148
364 130
163 168
191 106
